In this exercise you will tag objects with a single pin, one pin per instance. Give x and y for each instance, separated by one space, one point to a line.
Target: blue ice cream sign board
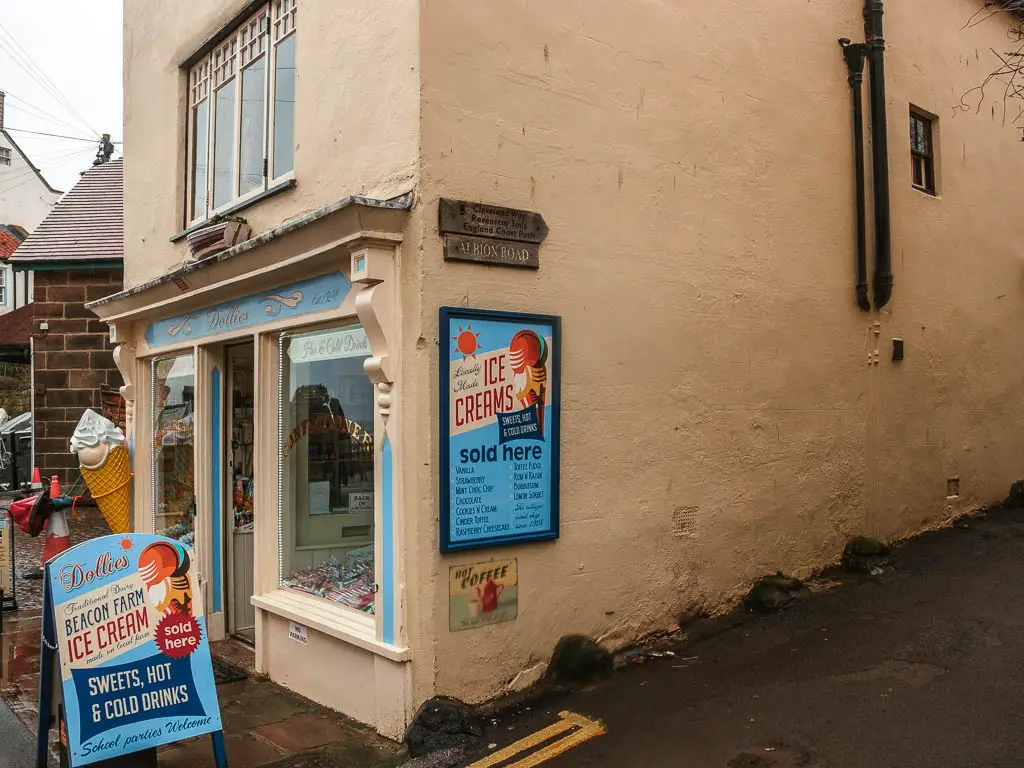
500 415
126 620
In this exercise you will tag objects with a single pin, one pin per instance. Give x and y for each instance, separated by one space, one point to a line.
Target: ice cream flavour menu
500 415
125 617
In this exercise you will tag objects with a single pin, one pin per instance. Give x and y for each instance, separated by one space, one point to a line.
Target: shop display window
326 466
174 499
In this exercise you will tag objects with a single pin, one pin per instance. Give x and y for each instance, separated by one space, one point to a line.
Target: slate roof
86 225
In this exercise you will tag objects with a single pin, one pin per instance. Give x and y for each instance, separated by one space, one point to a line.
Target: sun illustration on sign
467 342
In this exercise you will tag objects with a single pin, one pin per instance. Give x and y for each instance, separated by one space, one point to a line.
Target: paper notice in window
360 502
320 498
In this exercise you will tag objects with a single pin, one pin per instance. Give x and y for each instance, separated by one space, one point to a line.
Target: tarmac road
17 746
919 667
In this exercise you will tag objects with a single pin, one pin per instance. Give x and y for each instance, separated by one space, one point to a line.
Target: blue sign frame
124 631
317 294
499 472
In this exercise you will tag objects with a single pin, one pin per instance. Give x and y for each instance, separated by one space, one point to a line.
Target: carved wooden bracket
373 268
124 359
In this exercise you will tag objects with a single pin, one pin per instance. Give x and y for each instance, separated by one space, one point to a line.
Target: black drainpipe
854 55
875 42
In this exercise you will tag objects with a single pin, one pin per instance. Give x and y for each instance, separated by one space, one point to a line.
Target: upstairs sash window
241 112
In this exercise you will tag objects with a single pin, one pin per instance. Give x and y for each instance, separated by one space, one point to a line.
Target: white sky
77 45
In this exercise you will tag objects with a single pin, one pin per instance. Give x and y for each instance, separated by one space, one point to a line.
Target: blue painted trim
446 314
287 301
218 489
387 506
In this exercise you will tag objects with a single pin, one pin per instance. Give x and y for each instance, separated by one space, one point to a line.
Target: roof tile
87 224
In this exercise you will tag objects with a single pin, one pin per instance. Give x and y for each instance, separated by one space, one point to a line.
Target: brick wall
72 362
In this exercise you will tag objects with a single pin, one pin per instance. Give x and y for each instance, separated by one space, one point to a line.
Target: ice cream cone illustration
164 568
528 356
106 468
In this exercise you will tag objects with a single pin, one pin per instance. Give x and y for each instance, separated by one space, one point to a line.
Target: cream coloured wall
24 197
694 163
356 129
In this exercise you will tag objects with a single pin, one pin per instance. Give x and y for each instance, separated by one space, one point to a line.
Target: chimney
2 97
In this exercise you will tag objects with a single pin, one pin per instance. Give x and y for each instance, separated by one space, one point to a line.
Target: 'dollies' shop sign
317 294
125 622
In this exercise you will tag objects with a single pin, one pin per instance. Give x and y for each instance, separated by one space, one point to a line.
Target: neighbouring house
382 535
74 256
15 364
25 200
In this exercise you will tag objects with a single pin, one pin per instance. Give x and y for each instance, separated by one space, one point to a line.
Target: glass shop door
238 473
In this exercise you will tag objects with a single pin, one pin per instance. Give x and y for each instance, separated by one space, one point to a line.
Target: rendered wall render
356 124
694 164
24 199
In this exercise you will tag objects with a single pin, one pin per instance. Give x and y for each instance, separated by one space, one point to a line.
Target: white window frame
286 518
258 36
5 156
3 284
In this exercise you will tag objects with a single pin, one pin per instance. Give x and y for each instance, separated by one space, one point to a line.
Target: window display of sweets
349 584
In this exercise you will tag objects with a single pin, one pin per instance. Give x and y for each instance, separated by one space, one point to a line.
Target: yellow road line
586 729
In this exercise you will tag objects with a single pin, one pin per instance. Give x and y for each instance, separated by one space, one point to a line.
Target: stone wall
72 361
14 388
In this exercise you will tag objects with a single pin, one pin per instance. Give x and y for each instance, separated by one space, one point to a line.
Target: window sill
358 629
241 205
926 191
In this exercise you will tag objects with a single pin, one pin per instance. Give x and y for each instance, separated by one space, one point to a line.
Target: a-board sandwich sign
499 430
131 639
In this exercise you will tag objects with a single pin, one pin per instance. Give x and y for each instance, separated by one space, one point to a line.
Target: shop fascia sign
332 345
324 292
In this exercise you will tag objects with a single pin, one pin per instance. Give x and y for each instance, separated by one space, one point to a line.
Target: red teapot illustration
488 595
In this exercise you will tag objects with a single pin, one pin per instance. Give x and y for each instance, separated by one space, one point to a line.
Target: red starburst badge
178 635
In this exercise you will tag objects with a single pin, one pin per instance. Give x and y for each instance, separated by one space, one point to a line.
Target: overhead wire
24 176
53 135
31 74
45 79
16 51
36 111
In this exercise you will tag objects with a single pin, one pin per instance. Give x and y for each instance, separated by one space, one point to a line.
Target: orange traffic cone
37 481
58 538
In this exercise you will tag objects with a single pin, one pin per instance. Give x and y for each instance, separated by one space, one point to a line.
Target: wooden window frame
922 158
256 36
5 156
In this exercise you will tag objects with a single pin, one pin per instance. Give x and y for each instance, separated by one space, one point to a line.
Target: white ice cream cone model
106 468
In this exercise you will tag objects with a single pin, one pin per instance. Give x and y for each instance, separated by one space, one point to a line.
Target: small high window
241 112
922 152
5 156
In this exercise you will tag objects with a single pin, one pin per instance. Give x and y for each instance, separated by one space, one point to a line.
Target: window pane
201 137
251 150
327 467
284 107
173 448
224 146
